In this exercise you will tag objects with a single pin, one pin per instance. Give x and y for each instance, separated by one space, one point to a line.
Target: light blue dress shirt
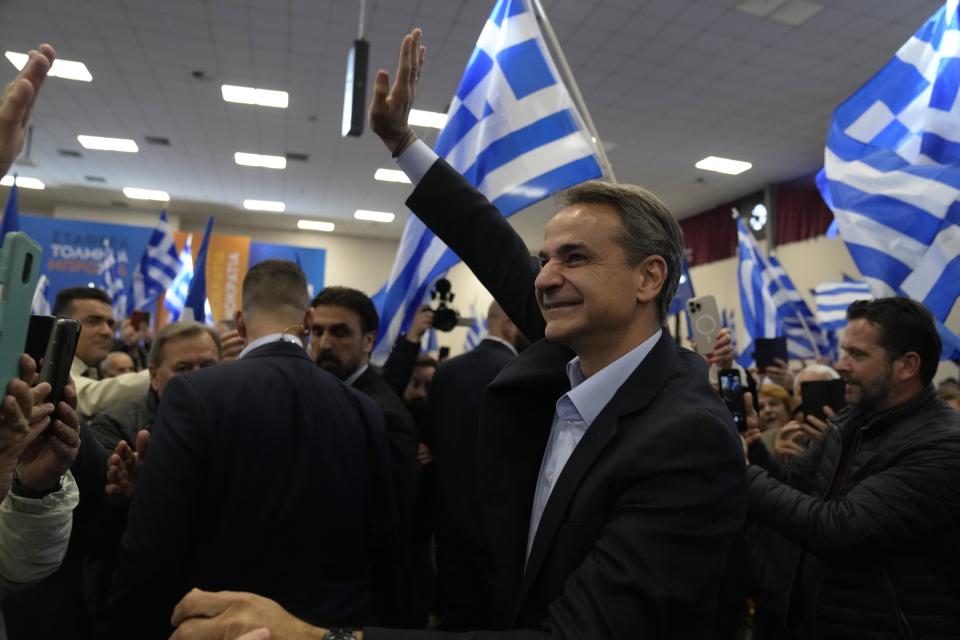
575 412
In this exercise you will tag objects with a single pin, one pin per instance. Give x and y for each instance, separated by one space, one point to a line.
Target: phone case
19 270
704 322
58 357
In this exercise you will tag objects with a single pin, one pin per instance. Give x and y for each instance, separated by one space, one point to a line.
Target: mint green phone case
19 270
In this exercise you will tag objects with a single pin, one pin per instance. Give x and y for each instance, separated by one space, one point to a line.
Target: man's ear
307 321
907 366
241 324
652 272
153 378
368 340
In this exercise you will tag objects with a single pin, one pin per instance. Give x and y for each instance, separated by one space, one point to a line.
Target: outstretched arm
17 103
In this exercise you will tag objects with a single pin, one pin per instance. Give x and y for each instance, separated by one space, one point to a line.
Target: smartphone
731 390
704 322
19 270
766 350
818 394
139 319
38 335
58 357
444 354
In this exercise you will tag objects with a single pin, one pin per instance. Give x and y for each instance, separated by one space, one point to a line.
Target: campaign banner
73 249
228 258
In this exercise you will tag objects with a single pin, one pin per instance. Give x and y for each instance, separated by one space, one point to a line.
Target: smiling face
591 298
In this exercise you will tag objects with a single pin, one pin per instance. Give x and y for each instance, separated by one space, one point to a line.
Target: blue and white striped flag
176 295
892 170
112 281
477 331
771 306
41 297
833 298
158 267
514 134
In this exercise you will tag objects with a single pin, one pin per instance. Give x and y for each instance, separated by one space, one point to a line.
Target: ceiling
667 82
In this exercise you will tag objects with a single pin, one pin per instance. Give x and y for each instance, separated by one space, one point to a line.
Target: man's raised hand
391 105
17 102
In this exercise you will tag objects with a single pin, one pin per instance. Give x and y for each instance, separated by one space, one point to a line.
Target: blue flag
477 331
158 267
11 214
833 298
112 281
771 306
176 295
892 171
197 294
514 134
684 290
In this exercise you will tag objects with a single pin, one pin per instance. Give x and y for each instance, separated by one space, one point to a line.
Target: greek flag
195 304
176 294
477 331
684 290
833 298
771 306
512 131
41 298
892 170
158 266
112 281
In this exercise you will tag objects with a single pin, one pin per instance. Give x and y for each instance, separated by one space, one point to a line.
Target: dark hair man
92 308
267 473
345 325
611 480
874 506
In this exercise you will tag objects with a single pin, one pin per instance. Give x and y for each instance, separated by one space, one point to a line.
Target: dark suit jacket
453 420
399 607
267 475
635 536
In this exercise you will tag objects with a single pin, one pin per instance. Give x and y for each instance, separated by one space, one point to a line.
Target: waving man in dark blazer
612 478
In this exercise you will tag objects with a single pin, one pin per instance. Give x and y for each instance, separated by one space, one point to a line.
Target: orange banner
228 258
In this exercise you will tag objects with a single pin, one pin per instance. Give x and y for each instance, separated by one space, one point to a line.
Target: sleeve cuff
416 160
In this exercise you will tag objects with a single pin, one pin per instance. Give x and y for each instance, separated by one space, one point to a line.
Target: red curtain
801 214
710 236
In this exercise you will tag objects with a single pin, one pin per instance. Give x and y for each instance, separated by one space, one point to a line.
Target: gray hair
176 330
649 229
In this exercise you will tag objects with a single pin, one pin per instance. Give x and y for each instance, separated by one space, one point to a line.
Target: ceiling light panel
136 193
723 165
98 143
259 160
373 216
265 205
23 182
391 175
315 225
66 69
252 95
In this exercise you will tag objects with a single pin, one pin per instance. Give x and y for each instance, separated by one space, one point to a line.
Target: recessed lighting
252 95
315 225
258 160
23 182
391 175
264 205
419 118
66 69
123 145
136 193
373 216
723 165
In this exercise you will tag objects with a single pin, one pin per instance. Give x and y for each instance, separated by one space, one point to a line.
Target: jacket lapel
634 395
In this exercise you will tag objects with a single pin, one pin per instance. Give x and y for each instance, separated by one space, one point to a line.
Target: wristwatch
339 634
19 489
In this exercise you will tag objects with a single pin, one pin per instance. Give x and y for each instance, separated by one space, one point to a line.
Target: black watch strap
19 489
339 634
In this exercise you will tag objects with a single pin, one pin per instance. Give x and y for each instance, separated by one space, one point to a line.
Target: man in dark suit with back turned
265 474
452 424
612 477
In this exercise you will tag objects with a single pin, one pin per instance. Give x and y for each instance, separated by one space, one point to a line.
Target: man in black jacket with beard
874 506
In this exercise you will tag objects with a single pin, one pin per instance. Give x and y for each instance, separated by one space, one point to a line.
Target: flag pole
571 83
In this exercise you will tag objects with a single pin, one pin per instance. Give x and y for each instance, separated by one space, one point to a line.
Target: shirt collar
512 348
273 337
591 395
353 377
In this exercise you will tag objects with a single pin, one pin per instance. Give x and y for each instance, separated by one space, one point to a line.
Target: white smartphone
704 322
